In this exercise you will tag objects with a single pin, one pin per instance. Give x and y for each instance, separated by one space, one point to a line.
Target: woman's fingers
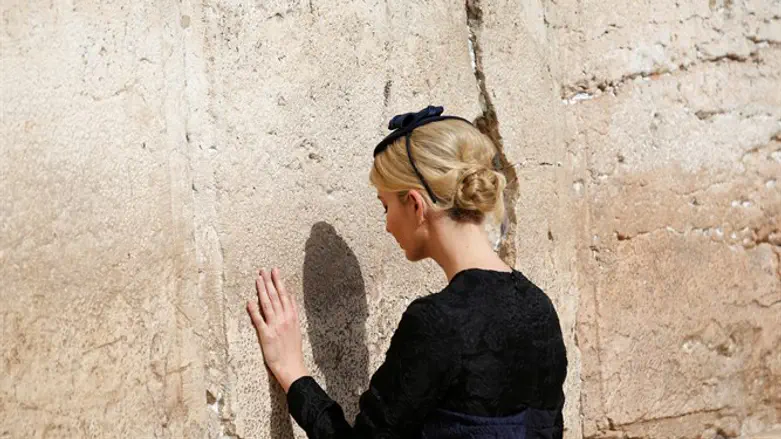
277 327
271 290
257 318
265 301
284 297
274 299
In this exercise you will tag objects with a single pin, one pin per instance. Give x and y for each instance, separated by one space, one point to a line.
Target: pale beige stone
95 242
678 331
156 154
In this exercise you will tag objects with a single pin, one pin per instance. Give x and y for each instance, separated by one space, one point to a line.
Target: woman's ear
420 205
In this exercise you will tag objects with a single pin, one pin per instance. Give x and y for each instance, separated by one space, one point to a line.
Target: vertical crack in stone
488 123
226 416
200 126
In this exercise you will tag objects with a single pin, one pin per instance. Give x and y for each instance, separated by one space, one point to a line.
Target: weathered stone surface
676 113
95 225
679 252
600 45
155 155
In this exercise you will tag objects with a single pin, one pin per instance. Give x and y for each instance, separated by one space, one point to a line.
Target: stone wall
156 154
675 147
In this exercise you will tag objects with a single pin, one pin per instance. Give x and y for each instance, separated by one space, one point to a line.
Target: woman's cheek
393 226
389 225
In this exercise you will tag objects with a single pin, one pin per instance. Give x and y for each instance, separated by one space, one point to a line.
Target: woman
484 357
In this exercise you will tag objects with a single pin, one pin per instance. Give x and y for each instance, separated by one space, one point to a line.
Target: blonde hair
456 160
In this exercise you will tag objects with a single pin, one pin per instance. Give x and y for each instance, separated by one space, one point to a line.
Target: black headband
403 124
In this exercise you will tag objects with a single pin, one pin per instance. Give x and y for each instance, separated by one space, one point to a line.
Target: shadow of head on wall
336 310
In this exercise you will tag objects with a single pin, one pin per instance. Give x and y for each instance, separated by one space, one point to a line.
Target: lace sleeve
418 366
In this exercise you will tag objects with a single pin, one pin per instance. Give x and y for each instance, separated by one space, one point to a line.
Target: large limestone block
601 44
95 237
680 252
675 344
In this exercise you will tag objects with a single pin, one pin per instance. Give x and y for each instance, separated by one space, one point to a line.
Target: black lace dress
482 358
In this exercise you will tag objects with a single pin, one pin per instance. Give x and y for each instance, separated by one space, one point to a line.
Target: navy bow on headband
403 124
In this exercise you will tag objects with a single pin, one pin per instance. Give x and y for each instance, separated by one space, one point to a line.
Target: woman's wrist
287 378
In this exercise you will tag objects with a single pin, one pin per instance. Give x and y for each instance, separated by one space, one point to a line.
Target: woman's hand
278 328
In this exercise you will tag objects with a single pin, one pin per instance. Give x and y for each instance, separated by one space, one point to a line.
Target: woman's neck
460 246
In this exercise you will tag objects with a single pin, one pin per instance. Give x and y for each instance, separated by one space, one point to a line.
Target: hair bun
479 189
